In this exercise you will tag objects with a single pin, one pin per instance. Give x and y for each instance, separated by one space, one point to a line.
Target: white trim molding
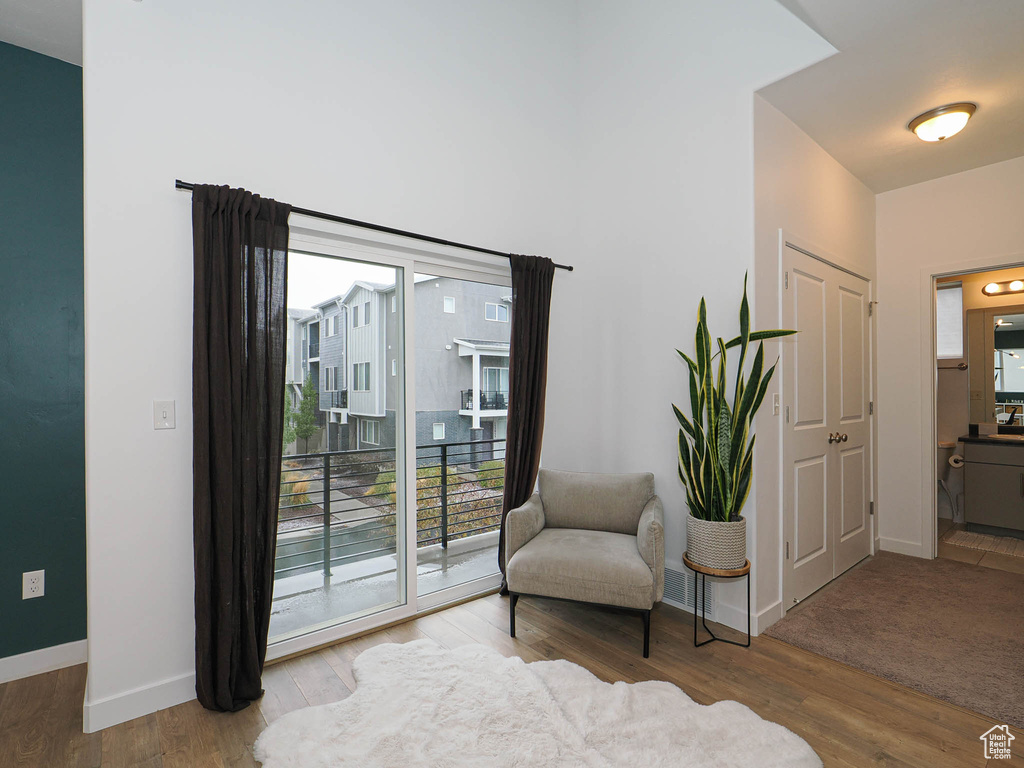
43 660
902 547
122 707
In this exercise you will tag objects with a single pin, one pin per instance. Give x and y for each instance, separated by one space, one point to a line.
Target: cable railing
339 507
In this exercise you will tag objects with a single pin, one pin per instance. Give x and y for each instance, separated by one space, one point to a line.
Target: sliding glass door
341 549
370 417
461 334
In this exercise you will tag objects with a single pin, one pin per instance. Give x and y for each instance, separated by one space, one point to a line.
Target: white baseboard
901 547
766 617
43 660
122 707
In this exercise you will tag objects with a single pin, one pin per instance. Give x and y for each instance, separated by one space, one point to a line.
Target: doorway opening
979 417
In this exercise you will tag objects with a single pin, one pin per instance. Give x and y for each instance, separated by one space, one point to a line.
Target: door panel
809 395
852 470
827 482
810 486
853 533
852 311
807 463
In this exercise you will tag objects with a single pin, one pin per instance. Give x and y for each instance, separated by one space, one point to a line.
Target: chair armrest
522 524
650 540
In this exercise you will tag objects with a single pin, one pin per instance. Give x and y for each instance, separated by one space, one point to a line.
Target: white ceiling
897 59
51 27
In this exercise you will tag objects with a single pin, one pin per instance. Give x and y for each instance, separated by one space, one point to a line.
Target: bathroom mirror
995 351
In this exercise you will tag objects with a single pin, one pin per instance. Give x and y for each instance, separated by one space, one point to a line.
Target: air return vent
679 590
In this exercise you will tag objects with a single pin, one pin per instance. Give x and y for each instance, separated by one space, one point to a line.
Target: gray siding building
462 331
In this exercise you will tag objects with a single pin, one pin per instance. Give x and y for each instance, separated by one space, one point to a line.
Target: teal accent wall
42 400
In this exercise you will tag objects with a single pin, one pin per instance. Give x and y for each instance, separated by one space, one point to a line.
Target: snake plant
716 446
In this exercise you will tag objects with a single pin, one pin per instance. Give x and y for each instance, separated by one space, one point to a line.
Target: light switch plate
163 414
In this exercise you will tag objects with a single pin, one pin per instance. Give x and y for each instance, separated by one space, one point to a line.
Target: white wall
965 221
452 117
667 189
618 137
801 189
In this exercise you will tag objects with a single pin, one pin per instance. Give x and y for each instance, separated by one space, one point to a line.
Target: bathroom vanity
994 483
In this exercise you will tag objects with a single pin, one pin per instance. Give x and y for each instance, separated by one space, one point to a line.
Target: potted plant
716 445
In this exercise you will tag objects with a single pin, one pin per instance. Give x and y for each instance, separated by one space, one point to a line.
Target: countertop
1012 440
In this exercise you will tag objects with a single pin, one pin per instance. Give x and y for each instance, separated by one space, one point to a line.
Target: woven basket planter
716 545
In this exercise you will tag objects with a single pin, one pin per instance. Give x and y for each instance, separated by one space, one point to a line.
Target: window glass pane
341 513
949 321
461 420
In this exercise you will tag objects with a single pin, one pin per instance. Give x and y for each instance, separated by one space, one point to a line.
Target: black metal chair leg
647 634
513 598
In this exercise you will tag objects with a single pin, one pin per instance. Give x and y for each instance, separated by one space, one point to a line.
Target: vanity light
1007 286
942 122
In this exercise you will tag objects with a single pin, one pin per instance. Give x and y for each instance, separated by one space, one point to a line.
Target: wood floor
850 718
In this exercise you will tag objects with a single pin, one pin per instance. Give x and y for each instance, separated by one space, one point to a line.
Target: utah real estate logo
997 742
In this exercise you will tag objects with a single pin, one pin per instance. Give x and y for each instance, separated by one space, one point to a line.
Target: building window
331 378
495 380
496 312
394 367
439 430
449 305
361 377
355 316
369 432
949 321
366 313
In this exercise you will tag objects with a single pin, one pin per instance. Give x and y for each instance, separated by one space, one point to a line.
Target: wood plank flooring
849 717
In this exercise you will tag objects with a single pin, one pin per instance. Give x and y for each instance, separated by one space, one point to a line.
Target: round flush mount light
942 122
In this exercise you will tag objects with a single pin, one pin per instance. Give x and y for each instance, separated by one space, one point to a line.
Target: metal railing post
444 497
327 515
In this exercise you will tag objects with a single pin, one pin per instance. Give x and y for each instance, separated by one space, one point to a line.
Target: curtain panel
532 277
240 244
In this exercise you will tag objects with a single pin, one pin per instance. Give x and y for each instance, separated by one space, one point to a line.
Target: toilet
950 496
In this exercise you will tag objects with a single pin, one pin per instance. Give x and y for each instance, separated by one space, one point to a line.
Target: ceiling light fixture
942 122
1007 286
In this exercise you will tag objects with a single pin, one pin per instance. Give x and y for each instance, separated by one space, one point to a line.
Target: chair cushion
589 566
597 502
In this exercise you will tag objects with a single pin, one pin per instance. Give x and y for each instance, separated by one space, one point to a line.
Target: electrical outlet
33 584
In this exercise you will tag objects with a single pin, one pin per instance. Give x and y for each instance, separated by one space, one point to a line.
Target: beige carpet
1003 545
949 629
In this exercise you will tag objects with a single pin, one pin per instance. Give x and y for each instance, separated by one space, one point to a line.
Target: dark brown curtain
527 380
240 244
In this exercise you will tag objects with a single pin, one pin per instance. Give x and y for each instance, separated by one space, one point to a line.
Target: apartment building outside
347 345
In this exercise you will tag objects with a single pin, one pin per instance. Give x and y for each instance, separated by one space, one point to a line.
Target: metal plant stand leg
700 604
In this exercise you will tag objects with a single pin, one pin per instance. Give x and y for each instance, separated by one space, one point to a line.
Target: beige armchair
589 538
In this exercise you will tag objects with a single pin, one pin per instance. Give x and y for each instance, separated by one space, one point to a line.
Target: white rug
421 706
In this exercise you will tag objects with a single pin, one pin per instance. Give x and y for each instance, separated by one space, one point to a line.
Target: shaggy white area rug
422 706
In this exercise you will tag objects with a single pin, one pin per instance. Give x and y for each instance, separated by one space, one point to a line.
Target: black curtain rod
179 184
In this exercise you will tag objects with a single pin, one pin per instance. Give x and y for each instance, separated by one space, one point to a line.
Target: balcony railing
489 401
345 502
337 399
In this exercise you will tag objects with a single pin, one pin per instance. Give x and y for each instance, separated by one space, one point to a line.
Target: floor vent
679 589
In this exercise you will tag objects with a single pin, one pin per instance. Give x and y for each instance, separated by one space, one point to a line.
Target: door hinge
871 507
787 280
871 308
787 414
871 407
787 550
